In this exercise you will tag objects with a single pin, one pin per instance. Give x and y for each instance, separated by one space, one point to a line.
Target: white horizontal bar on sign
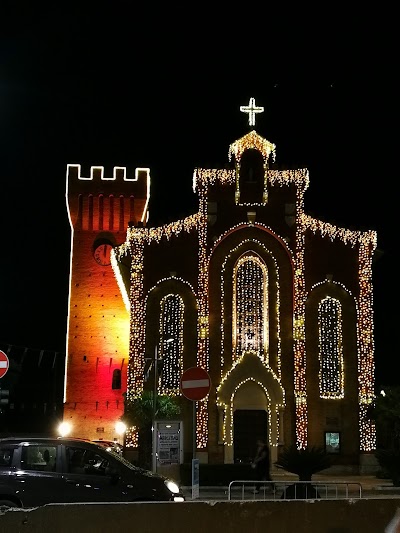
3 364
195 383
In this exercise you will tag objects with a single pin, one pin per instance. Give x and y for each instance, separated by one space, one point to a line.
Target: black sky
150 89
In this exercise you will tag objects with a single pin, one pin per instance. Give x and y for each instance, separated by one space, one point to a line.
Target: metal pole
154 437
194 430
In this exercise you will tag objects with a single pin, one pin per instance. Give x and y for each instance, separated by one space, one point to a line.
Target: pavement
333 485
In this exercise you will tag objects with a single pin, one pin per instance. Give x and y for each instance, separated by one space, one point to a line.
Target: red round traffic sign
4 363
195 383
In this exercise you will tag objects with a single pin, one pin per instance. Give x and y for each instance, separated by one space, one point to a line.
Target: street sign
195 383
4 363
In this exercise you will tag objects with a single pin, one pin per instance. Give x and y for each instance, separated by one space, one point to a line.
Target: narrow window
116 379
331 371
250 306
171 343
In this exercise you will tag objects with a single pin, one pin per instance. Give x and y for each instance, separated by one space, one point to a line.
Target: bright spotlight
120 427
64 429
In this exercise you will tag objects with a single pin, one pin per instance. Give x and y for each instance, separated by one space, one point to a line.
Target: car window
81 461
6 456
39 457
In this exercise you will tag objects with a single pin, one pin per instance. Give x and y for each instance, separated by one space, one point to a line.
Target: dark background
116 86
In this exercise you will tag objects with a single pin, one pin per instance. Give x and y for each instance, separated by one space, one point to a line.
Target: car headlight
173 487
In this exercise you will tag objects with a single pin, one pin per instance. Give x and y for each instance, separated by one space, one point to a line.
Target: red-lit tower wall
100 208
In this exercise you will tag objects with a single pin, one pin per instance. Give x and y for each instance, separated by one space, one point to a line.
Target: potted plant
385 413
139 412
389 461
304 462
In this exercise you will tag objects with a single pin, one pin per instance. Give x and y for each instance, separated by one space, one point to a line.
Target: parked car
37 471
110 445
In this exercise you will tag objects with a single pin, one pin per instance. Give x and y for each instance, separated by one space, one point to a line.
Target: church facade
274 304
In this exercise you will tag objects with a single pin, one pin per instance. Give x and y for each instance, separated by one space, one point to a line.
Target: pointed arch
330 348
250 383
171 342
250 306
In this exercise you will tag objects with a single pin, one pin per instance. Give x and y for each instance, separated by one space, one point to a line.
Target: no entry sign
4 363
195 383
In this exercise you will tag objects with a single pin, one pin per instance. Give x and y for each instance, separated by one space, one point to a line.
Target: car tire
7 504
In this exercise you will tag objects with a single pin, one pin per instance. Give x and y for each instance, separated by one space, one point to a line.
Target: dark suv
37 471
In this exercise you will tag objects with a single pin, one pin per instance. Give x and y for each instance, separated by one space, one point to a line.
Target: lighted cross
251 109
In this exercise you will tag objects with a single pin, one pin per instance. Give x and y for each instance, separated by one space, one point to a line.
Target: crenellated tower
100 209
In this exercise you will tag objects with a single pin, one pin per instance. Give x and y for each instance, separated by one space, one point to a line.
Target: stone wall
329 516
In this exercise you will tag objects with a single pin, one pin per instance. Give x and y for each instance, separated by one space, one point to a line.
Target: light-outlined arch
171 325
175 340
249 371
267 257
330 353
332 384
250 311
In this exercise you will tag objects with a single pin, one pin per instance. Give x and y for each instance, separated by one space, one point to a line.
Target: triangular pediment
249 141
250 367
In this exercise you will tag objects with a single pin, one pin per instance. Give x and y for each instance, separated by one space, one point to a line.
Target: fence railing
290 490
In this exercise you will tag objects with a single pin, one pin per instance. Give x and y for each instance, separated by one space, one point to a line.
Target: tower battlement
99 195
120 180
74 171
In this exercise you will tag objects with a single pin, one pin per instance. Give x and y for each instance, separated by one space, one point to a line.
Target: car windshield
118 457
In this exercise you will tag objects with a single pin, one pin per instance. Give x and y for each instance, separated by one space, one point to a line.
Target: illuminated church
274 304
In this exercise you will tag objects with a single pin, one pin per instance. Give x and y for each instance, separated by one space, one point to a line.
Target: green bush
304 461
389 461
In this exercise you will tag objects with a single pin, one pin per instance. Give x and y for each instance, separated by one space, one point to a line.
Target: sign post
195 479
195 385
4 364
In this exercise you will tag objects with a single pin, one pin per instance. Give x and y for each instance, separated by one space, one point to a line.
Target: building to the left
32 390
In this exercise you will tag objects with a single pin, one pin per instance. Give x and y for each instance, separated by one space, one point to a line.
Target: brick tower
100 209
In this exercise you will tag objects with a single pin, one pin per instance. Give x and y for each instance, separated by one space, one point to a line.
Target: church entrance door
248 426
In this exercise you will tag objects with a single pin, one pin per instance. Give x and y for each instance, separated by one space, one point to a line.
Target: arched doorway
249 388
249 425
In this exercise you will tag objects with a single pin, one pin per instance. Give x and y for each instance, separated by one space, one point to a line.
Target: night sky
114 88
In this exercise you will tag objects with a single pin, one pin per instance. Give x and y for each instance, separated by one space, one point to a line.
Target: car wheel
6 504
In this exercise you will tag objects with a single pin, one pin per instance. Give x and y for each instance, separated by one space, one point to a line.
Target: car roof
44 439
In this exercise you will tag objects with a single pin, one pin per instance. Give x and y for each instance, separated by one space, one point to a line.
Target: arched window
116 379
250 306
171 343
331 371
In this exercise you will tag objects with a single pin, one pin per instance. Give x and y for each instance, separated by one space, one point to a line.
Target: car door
36 479
91 476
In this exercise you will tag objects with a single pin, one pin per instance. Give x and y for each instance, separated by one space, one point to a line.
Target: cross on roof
251 109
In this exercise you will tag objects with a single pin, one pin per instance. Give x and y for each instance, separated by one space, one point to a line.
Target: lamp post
155 394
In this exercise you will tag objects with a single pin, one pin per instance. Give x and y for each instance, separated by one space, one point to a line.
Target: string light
251 110
228 404
331 371
171 329
251 282
250 306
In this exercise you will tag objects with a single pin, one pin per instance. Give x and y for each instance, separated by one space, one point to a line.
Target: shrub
389 461
304 461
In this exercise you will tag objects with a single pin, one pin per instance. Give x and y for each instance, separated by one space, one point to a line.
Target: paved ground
332 485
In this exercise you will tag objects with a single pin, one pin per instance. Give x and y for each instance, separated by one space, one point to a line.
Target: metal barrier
290 490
